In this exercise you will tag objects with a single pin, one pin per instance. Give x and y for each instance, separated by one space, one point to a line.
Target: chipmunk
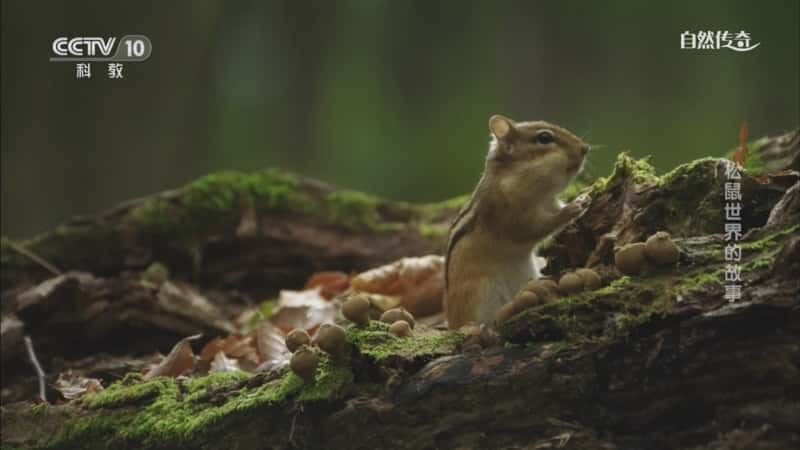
513 208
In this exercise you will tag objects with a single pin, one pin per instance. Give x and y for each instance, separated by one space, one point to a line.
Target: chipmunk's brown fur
513 208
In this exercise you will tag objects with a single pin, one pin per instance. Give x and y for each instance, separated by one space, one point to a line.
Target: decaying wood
255 233
656 361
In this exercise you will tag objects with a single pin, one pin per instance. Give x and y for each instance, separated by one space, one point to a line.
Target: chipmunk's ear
501 127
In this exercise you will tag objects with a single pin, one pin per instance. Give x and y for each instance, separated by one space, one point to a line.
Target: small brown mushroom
472 337
304 363
630 258
296 338
526 299
591 280
547 290
570 283
400 328
660 249
477 336
356 310
505 312
393 315
331 339
546 283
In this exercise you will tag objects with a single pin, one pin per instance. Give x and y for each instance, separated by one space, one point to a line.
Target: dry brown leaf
331 284
208 352
243 349
740 155
237 346
72 386
222 363
302 309
384 302
179 360
271 347
418 282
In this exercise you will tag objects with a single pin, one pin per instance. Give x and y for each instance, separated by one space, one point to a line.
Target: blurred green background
389 97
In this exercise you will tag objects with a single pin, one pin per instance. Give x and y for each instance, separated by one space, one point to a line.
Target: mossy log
254 232
659 360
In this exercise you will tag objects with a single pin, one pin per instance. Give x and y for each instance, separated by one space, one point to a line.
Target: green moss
626 167
695 186
583 318
354 210
329 379
120 394
769 241
375 342
431 211
761 263
156 272
692 173
754 166
434 231
165 412
701 280
615 287
217 199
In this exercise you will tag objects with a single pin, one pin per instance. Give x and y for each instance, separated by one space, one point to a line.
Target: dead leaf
208 352
180 360
271 346
72 386
302 309
243 349
331 284
384 302
222 363
417 281
740 155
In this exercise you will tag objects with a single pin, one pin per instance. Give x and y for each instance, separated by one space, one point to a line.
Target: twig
37 366
33 256
291 429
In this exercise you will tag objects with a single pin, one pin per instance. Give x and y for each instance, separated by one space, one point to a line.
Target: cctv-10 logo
130 48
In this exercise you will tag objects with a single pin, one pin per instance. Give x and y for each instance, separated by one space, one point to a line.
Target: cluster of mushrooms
658 249
545 290
357 310
331 338
630 259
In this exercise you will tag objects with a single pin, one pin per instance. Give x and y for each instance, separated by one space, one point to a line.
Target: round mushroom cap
295 338
630 259
356 309
400 328
393 315
331 339
304 362
570 283
591 280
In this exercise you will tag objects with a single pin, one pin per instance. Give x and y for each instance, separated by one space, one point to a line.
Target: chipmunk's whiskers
593 147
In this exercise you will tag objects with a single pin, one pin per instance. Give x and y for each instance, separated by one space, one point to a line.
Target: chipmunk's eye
545 137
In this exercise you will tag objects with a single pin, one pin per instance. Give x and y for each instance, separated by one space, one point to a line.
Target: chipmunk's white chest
501 283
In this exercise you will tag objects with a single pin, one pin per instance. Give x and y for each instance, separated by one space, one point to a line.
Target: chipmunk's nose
585 149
